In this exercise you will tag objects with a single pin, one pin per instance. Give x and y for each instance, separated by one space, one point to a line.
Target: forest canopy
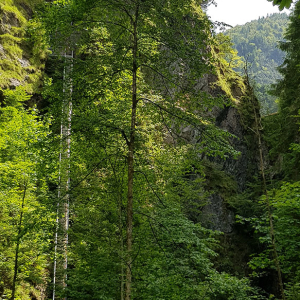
129 146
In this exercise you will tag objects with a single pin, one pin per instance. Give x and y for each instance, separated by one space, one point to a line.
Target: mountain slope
256 42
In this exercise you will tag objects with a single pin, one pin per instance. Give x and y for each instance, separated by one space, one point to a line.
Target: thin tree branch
154 192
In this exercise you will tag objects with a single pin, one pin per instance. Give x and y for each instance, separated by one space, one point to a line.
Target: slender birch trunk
62 218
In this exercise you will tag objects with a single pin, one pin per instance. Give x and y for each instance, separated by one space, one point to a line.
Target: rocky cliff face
228 177
237 171
229 119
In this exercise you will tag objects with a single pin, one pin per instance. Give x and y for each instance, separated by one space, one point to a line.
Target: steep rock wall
237 171
228 177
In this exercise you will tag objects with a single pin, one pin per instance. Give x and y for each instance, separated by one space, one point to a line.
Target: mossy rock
225 58
21 55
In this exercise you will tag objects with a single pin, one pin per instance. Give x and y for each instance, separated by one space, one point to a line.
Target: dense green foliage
281 132
257 44
25 221
172 257
287 88
125 151
282 3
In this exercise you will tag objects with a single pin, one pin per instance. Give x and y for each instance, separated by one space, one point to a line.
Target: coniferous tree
287 91
287 88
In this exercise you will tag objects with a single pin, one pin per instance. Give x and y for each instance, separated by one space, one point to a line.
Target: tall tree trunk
18 244
121 246
119 188
130 158
268 205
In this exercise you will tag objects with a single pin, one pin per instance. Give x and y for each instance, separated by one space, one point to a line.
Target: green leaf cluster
24 218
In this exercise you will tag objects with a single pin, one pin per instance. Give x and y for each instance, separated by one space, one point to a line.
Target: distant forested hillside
256 42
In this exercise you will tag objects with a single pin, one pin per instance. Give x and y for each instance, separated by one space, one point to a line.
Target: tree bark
130 158
18 244
270 215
